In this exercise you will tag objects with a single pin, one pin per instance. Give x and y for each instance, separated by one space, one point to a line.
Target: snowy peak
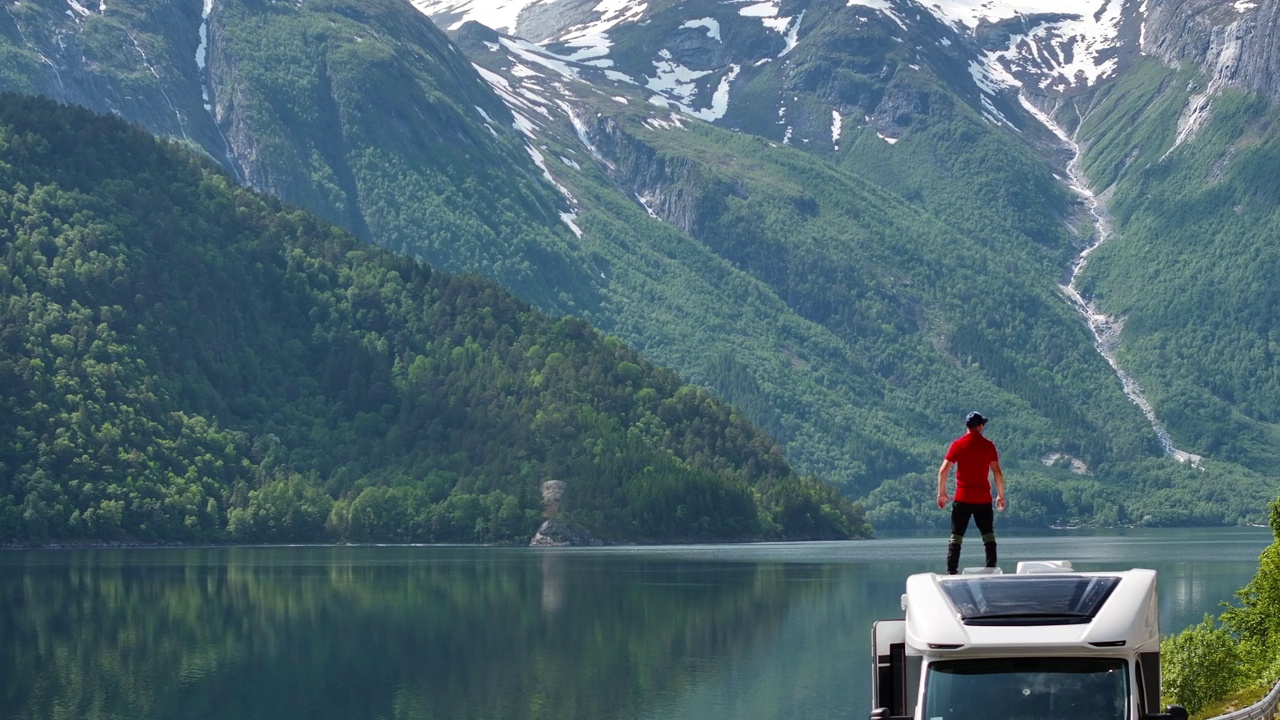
570 21
1051 45
1054 45
704 58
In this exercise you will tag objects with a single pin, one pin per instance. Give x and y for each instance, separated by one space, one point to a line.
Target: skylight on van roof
1028 600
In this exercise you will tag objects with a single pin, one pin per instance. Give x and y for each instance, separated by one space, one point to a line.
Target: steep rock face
138 61
1235 43
272 161
673 188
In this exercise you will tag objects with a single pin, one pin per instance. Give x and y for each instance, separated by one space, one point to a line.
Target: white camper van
1046 643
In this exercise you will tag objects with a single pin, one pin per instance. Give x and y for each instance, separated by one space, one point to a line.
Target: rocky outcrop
552 492
900 106
1235 42
557 533
673 188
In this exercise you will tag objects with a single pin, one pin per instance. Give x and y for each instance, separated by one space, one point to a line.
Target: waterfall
206 86
1105 329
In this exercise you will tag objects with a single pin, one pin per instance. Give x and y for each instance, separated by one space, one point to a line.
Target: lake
746 632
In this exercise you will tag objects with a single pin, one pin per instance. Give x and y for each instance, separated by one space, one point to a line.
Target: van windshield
1027 689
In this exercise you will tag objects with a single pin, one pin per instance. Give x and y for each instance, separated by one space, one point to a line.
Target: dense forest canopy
185 360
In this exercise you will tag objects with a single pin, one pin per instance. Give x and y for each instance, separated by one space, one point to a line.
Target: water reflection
552 582
712 632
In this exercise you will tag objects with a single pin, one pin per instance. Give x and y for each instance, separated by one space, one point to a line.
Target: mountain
855 221
1031 68
184 360
1187 157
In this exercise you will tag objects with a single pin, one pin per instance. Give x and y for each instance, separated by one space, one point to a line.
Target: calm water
704 633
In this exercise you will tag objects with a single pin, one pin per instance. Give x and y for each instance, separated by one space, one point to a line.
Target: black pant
984 517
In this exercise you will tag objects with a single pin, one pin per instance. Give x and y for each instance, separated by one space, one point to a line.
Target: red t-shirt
973 455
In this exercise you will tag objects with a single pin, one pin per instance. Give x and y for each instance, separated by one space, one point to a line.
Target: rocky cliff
672 188
143 63
1236 43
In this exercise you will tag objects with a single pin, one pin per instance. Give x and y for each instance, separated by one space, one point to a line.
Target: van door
889 668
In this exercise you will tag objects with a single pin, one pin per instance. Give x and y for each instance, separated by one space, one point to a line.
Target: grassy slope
897 292
1193 269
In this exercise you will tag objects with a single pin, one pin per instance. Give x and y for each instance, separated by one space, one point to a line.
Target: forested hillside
184 360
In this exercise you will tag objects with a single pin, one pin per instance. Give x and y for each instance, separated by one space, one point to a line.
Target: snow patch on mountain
201 51
970 14
516 100
570 219
674 80
1142 27
1055 44
711 24
539 55
524 101
883 6
674 122
1062 43
768 13
675 84
792 36
499 15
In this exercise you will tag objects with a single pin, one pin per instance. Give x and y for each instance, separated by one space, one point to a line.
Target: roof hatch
1028 599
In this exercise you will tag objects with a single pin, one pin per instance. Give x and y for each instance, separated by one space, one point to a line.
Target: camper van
1045 643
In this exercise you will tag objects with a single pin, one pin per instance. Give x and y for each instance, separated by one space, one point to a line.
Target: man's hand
1000 503
942 499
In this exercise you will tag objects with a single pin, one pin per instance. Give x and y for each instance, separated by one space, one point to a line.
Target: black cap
974 419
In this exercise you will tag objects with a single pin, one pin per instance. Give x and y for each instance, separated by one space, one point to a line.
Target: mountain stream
1105 329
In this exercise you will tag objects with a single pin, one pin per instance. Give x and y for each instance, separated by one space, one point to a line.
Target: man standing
975 458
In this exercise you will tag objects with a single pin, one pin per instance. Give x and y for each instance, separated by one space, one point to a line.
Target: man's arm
995 469
942 482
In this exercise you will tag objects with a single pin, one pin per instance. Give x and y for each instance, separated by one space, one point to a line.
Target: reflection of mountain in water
372 632
748 632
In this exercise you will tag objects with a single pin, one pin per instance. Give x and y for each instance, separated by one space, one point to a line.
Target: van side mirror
880 714
1173 712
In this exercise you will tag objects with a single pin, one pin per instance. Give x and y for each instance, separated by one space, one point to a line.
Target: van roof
1043 611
